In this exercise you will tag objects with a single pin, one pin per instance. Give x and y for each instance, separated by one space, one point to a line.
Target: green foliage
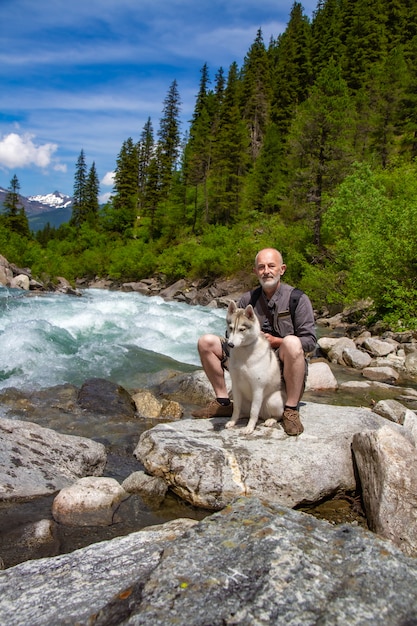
373 223
132 262
269 161
14 217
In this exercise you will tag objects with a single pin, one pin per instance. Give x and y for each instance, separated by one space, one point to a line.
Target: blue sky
86 74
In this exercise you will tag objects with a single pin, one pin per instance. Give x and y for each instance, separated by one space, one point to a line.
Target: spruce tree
325 35
291 68
146 150
319 149
14 216
364 35
256 93
169 138
92 190
197 150
125 200
79 208
387 91
230 155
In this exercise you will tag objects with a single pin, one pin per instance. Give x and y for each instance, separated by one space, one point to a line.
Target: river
47 340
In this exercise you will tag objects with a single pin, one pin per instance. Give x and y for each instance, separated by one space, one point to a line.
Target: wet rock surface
251 563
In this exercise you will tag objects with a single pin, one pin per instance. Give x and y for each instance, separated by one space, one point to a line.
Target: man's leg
211 354
292 356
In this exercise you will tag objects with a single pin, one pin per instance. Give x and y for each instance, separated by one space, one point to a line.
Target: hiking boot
291 422
214 409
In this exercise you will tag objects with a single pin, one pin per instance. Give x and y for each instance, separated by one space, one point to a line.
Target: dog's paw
230 424
270 422
248 430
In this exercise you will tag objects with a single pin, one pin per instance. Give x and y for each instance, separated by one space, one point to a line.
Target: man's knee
291 346
209 343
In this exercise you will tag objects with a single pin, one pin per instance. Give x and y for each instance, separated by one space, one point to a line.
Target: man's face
269 268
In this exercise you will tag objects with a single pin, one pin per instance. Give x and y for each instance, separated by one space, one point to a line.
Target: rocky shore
256 557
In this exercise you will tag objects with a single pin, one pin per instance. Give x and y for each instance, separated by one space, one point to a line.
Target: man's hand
274 342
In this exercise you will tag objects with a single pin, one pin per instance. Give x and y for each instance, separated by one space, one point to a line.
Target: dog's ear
249 312
232 307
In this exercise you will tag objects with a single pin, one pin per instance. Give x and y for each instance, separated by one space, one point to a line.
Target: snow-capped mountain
55 200
52 208
36 205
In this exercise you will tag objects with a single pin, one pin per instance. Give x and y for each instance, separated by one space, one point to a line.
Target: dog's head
242 325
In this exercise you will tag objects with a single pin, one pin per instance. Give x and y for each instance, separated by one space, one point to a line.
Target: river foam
50 339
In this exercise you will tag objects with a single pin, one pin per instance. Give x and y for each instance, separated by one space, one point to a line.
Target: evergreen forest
308 146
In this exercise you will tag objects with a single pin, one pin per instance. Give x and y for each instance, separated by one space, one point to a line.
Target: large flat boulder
209 465
252 563
36 461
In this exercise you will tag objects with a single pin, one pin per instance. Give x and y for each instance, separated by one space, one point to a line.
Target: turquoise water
46 340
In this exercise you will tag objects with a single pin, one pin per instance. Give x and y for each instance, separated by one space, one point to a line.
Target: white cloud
104 198
60 167
108 179
20 151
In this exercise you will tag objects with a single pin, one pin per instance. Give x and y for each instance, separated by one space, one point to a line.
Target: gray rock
209 465
73 588
391 410
356 358
91 501
411 364
335 353
410 424
148 406
320 377
36 461
101 396
151 488
381 374
377 347
21 281
251 564
33 540
387 465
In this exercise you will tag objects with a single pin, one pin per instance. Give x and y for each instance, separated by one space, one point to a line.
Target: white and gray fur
257 386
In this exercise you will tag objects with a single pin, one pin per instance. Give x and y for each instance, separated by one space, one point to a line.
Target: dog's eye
242 329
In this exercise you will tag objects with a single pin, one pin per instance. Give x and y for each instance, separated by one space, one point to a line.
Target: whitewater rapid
51 339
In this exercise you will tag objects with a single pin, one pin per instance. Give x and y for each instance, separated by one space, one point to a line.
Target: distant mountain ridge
42 203
53 208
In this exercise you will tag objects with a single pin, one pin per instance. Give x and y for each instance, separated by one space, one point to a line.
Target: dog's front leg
254 412
237 405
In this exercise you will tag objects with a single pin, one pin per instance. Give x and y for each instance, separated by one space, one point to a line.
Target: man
290 339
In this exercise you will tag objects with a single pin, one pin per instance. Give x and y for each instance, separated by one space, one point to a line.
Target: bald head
269 267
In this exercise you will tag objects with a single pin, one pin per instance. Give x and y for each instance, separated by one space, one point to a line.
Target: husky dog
257 385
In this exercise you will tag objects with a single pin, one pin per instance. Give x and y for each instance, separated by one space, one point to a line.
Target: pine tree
79 212
125 201
230 155
146 151
169 138
319 149
364 36
291 68
387 91
151 197
197 150
325 35
14 216
256 93
92 190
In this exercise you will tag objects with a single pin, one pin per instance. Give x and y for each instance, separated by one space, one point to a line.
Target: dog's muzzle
230 344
